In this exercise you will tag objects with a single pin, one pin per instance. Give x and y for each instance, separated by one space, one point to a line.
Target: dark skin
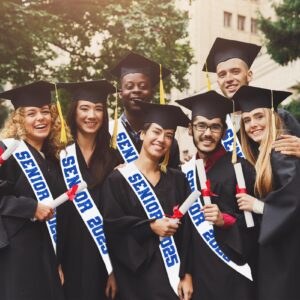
135 86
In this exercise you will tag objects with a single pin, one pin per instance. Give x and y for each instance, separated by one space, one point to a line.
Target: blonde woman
277 190
27 256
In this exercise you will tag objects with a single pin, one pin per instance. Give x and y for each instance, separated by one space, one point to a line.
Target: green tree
283 34
91 34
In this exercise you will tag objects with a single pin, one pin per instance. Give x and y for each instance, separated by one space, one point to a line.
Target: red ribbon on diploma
176 213
241 190
207 192
71 193
1 159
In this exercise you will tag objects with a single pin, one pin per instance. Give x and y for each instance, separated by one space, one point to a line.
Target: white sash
227 141
35 177
153 209
84 203
205 230
124 143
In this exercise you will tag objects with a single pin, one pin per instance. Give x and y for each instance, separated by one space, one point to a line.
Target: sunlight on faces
206 140
89 116
231 75
135 86
157 141
255 123
37 123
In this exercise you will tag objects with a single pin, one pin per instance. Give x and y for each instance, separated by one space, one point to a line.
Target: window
253 26
227 19
241 22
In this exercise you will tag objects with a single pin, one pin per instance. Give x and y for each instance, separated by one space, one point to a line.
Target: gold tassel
113 141
273 118
207 78
63 134
234 155
161 87
163 165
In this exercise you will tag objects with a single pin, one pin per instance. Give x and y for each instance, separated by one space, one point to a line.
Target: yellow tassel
63 134
273 118
207 78
163 165
161 87
113 141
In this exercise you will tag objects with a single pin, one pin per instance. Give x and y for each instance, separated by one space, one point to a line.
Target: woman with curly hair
28 263
82 249
277 191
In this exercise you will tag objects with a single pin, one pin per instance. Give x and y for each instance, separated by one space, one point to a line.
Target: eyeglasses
216 128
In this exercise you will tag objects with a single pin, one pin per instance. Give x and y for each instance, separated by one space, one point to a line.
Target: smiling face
37 124
89 117
255 123
135 86
206 133
157 141
231 75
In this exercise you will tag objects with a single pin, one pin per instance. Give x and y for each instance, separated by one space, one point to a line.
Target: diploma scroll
241 185
66 196
178 213
202 179
9 151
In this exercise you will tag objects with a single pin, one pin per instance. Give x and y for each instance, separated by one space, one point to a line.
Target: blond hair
14 128
260 159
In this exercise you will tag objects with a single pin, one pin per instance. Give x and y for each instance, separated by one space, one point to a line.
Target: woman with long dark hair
277 191
28 265
87 273
136 197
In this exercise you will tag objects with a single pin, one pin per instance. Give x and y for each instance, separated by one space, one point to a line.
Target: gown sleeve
282 205
290 122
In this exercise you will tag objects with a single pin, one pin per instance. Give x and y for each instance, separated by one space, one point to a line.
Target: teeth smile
40 126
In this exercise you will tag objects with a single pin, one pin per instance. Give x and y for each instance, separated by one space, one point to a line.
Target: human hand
213 214
164 227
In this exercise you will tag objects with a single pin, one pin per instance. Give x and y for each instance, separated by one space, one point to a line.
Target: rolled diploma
10 150
203 179
185 206
64 197
241 183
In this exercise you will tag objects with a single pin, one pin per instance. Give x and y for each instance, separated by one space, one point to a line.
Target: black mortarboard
93 91
167 116
224 49
35 94
248 98
209 105
135 63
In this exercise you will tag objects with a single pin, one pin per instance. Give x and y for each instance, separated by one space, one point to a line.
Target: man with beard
231 60
218 253
138 76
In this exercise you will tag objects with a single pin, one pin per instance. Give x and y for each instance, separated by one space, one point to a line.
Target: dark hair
103 159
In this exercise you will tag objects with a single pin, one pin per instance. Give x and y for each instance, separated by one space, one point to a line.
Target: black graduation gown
28 266
212 278
290 122
134 248
84 270
279 260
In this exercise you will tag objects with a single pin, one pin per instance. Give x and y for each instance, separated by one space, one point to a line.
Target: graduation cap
248 98
135 63
167 116
35 94
209 105
93 91
224 49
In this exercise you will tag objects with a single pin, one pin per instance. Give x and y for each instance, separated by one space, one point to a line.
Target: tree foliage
90 35
283 34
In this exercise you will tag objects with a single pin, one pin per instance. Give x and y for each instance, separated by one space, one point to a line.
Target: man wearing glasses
213 278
